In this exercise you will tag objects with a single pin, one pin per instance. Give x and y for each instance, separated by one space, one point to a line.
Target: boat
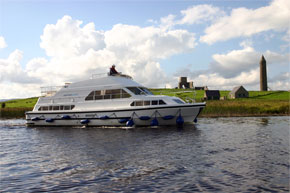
109 100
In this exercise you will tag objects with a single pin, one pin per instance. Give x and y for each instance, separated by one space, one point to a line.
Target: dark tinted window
161 102
43 108
107 94
146 91
139 103
146 103
178 101
90 96
55 108
135 90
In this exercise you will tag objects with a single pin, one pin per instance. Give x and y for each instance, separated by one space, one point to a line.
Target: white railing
49 90
101 75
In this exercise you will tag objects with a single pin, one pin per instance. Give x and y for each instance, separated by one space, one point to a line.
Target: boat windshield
139 90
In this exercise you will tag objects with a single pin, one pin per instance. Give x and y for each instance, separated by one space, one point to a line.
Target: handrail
50 90
188 99
99 75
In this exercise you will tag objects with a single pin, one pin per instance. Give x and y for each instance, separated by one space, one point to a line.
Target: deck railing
50 90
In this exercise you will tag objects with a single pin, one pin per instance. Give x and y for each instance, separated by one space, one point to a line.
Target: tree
3 105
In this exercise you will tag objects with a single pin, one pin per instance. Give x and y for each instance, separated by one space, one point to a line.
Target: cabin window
90 96
66 108
43 108
135 90
56 108
139 90
139 103
146 91
154 102
178 101
147 103
107 94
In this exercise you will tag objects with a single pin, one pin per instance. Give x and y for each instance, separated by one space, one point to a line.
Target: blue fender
144 118
35 119
154 122
168 117
104 117
179 120
124 120
65 117
85 121
130 123
49 120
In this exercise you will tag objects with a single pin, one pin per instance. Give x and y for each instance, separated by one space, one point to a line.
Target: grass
20 103
259 103
16 108
246 107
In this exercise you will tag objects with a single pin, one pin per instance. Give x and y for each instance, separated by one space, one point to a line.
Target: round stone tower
263 75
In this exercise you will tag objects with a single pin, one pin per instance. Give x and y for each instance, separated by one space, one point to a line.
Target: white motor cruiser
110 100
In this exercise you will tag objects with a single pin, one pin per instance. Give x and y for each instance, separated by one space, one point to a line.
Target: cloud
77 51
280 81
240 67
2 42
135 50
67 38
234 62
286 37
168 21
147 43
199 14
11 90
243 22
11 70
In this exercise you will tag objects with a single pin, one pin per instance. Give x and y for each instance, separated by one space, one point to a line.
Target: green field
16 108
259 103
182 93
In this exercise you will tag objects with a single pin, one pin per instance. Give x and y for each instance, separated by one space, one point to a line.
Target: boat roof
107 81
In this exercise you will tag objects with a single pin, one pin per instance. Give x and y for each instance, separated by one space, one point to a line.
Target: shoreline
19 113
248 115
258 104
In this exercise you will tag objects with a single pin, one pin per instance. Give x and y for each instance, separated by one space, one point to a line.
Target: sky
214 43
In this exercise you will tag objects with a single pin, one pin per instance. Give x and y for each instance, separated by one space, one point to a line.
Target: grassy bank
259 103
16 108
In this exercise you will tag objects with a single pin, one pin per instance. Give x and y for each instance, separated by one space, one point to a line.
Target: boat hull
166 115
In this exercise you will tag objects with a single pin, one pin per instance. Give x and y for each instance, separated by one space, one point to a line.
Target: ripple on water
223 154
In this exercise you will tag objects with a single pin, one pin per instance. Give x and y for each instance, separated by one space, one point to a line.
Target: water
224 154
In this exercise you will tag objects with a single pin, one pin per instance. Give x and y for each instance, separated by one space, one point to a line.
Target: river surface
249 154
